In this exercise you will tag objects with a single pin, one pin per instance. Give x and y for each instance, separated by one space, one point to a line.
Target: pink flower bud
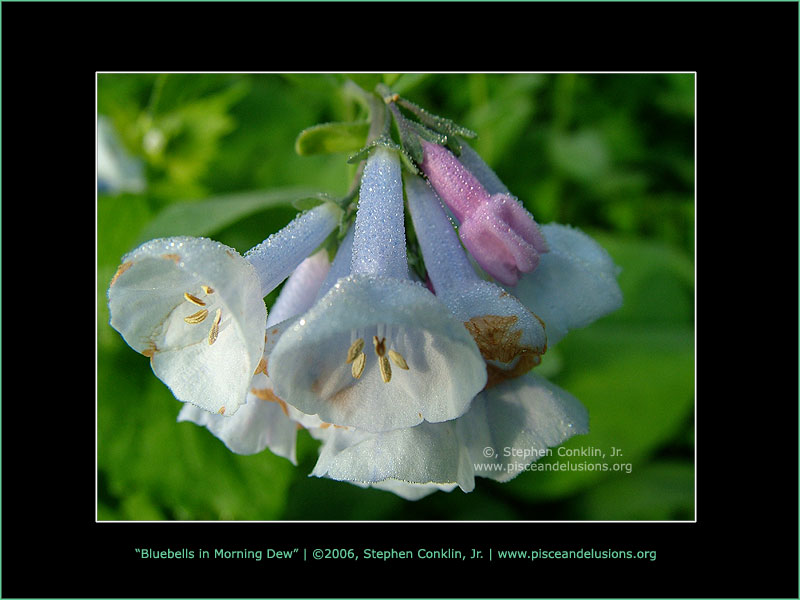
496 229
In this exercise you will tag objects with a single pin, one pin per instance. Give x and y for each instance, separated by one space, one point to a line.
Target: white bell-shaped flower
195 306
378 351
506 428
265 421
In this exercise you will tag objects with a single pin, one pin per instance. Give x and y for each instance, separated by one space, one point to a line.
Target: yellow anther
197 317
354 350
207 290
221 410
386 369
398 359
380 347
358 365
193 299
214 331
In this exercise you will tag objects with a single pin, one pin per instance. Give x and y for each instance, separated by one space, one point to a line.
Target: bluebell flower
195 306
379 351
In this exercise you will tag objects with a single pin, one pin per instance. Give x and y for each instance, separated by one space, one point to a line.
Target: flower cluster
405 378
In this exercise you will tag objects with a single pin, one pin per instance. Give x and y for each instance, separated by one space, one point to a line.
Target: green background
612 154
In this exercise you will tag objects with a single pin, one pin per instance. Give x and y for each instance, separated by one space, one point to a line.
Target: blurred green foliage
611 154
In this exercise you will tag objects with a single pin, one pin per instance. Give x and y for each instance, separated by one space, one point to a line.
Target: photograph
388 297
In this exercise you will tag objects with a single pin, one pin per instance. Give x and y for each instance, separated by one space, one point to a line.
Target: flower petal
425 454
309 369
574 285
408 491
300 290
517 420
262 422
157 301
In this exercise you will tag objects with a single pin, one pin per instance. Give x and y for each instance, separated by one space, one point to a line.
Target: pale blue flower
378 352
506 428
266 421
195 306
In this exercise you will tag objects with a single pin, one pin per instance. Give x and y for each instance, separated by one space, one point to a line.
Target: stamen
214 332
358 365
398 359
207 289
386 369
193 299
197 317
380 347
354 350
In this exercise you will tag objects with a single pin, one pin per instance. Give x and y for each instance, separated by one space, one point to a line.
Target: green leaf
332 137
309 203
583 156
409 81
657 281
155 466
658 491
390 78
119 219
207 216
368 81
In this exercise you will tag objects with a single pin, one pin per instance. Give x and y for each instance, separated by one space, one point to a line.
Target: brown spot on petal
324 425
120 270
496 337
495 374
173 257
221 410
268 395
503 294
150 350
499 341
